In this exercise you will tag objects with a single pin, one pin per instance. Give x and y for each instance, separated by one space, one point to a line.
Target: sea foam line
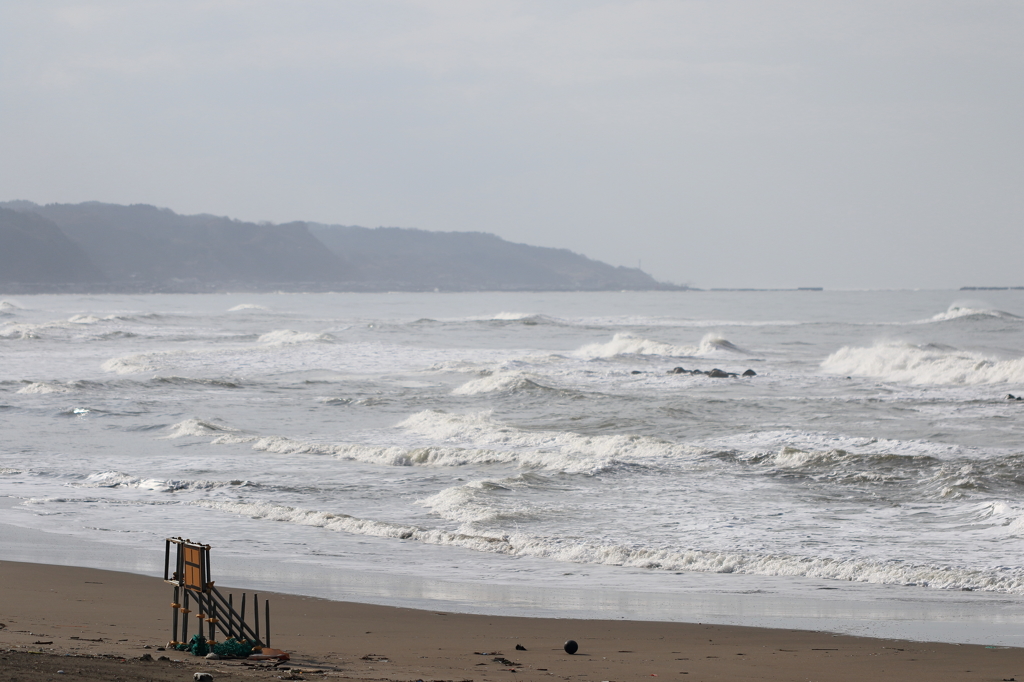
696 560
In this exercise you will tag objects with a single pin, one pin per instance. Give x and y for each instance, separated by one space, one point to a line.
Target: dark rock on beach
750 373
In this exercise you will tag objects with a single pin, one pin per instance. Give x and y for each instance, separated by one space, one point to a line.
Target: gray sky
725 143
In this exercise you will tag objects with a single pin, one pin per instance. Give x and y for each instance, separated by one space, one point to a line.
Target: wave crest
500 382
280 337
628 344
907 363
665 559
960 312
197 427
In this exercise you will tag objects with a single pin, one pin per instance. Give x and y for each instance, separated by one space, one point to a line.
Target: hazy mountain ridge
34 250
108 247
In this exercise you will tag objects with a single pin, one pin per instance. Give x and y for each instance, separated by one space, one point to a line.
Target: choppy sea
516 451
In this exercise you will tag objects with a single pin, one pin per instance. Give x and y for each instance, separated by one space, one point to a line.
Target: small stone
202 677
164 658
146 657
212 656
750 373
520 647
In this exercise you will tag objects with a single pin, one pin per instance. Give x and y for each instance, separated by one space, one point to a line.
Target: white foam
628 344
27 330
247 306
958 311
117 479
512 316
197 427
9 305
42 387
85 319
563 549
560 450
438 456
499 382
288 336
907 363
131 364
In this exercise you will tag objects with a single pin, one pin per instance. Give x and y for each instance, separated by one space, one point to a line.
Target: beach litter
571 647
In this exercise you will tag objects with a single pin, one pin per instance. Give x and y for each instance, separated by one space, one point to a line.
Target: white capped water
532 439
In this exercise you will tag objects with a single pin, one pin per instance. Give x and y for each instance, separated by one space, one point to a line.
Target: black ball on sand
571 647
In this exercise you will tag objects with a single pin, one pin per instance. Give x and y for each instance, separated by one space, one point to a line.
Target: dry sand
95 624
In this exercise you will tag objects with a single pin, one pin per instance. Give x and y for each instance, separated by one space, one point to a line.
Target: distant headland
94 247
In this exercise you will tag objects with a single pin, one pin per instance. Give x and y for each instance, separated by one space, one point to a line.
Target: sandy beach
100 625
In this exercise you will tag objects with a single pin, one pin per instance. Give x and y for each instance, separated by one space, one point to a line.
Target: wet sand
86 621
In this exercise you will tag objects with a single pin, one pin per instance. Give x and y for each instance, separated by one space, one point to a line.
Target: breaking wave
116 479
434 455
247 306
287 336
197 427
528 319
42 387
500 382
907 363
960 312
665 559
628 344
130 364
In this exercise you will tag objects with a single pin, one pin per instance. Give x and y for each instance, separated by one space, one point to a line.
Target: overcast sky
722 143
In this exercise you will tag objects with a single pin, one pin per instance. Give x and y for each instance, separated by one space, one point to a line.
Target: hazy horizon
845 145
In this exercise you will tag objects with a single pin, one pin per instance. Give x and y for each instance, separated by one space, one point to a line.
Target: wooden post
213 619
174 615
266 603
256 614
243 609
184 619
231 616
201 615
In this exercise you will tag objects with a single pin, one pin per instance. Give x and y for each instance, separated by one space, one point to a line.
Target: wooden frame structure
190 576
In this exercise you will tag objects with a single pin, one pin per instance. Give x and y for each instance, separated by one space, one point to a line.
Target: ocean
533 453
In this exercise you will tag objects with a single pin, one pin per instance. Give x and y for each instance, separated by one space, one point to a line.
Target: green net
229 648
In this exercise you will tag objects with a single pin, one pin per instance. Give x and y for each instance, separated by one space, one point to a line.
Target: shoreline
67 612
858 609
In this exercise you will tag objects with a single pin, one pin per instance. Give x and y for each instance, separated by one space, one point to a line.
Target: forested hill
107 247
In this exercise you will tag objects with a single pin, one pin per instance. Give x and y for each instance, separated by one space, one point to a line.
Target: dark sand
51 614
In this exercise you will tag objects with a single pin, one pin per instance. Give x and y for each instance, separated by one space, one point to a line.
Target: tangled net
229 648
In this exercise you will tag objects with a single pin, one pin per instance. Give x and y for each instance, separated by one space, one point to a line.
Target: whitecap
908 363
289 336
197 427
